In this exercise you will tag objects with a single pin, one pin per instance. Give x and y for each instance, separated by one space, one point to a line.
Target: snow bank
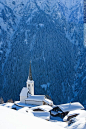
11 119
80 120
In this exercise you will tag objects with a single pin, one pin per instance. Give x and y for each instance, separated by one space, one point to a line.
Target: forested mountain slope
50 34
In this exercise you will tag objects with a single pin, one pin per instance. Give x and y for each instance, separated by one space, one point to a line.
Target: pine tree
10 100
1 100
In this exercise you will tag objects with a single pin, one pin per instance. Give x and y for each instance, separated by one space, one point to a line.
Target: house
63 109
42 108
42 111
27 94
73 114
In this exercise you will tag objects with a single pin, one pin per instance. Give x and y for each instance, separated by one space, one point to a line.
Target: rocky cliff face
50 34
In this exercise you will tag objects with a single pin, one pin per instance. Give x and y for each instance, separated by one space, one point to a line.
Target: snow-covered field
20 119
11 119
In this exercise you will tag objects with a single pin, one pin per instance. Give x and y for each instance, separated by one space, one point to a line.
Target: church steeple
30 82
30 73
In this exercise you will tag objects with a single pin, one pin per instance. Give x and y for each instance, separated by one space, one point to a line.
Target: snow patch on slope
45 86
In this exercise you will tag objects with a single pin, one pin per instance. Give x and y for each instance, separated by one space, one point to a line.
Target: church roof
39 98
36 97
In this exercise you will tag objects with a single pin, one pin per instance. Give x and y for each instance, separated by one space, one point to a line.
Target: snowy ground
20 119
11 119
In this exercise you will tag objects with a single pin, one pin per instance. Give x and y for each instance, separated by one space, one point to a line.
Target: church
27 93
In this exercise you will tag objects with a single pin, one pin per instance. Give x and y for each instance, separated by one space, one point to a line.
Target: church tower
30 82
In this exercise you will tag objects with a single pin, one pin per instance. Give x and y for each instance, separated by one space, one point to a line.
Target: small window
28 85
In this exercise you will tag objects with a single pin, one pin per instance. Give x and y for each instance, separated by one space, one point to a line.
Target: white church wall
22 99
34 102
32 88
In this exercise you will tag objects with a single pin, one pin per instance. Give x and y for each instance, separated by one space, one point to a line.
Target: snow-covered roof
75 112
54 112
70 106
19 104
24 91
48 101
43 107
71 113
39 98
36 98
43 115
79 121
